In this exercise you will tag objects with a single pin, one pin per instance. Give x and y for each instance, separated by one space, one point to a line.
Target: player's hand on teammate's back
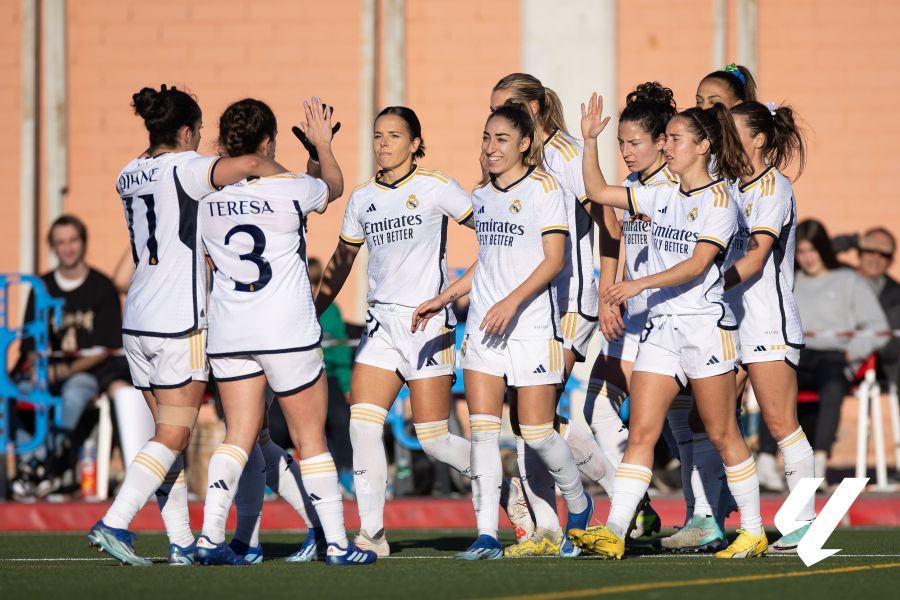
320 118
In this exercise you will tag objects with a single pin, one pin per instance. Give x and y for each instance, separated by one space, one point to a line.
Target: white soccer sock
632 482
225 468
706 477
369 464
439 443
608 429
283 476
147 472
589 458
249 499
799 463
744 486
557 457
134 421
678 417
487 472
172 499
321 482
538 486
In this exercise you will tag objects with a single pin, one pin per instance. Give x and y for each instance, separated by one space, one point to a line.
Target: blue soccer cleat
181 556
349 556
209 554
484 547
118 543
787 544
313 548
253 555
579 521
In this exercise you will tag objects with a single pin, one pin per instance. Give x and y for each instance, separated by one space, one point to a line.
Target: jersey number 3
255 256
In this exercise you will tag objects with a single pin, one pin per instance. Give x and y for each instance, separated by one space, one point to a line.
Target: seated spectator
831 299
876 254
82 367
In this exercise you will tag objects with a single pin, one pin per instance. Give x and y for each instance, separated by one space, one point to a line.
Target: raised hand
592 120
318 115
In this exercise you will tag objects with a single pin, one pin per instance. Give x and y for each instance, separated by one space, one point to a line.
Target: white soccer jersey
261 298
404 226
167 294
510 223
766 302
680 220
635 234
576 285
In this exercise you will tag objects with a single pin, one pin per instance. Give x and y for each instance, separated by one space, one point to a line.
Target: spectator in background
91 324
831 298
876 254
338 364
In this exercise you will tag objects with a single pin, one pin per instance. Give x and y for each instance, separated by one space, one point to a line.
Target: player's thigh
305 412
374 385
651 396
775 387
243 402
536 404
430 398
484 393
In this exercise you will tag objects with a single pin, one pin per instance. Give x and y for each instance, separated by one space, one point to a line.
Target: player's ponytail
244 125
652 106
520 117
738 79
413 125
526 89
165 112
716 125
784 138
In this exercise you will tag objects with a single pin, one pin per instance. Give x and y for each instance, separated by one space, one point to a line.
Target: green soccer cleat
787 544
701 534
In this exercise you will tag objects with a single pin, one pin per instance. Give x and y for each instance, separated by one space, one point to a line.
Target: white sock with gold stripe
440 444
225 468
631 484
172 499
589 458
248 501
487 472
321 483
557 458
143 477
604 399
799 462
369 464
744 486
538 486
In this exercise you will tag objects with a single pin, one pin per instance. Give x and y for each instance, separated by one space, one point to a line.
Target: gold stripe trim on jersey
465 215
759 228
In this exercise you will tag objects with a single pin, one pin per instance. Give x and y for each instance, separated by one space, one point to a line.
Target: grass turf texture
62 566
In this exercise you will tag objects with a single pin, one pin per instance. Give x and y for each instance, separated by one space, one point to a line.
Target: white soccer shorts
577 333
166 362
520 362
759 353
287 372
688 347
388 344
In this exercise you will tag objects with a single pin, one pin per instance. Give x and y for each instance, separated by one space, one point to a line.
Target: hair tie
771 106
733 70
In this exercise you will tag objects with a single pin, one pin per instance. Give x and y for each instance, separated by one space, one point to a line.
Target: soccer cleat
118 543
579 522
599 540
746 545
484 547
313 547
544 542
787 544
253 555
377 543
517 510
181 556
210 554
700 534
349 556
646 523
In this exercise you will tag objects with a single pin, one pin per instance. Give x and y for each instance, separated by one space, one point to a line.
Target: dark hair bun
145 101
652 91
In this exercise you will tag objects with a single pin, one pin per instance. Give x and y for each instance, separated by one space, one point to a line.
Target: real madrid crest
515 207
412 203
693 214
462 348
748 210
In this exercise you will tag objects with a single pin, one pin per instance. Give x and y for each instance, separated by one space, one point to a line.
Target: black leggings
825 371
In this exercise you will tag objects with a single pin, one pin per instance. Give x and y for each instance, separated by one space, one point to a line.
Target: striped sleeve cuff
465 216
210 173
352 241
563 229
632 205
584 201
712 240
765 230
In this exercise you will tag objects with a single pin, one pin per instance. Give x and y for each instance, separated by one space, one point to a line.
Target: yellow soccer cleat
543 543
599 540
746 545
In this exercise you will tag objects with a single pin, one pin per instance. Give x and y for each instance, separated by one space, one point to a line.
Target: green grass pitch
62 566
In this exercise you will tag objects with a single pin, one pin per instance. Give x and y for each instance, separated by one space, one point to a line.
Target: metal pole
395 51
720 33
55 105
28 169
747 23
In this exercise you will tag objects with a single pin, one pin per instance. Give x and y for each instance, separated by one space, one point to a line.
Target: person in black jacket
876 254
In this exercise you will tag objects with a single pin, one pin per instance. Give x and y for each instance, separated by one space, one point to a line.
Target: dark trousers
825 371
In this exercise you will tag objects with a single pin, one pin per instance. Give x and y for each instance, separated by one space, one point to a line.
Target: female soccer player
577 295
770 329
254 232
164 327
730 86
690 334
512 330
401 214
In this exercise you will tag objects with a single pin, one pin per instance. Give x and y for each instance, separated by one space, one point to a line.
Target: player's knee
722 434
366 422
173 437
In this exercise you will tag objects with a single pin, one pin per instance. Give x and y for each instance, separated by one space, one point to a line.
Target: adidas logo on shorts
371 208
220 484
540 369
431 362
712 361
759 349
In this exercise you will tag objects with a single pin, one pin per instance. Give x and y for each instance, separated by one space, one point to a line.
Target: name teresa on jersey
498 233
227 208
389 230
